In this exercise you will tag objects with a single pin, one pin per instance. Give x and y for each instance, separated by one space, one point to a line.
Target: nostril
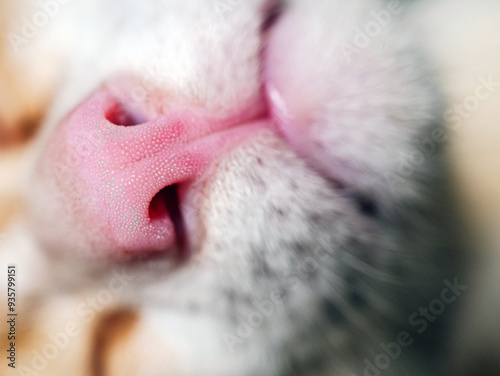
165 204
119 115
158 206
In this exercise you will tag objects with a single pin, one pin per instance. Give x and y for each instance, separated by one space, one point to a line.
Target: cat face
260 171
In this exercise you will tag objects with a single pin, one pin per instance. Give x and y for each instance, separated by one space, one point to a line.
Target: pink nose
126 174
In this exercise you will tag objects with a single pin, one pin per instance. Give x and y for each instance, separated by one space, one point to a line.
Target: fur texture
312 244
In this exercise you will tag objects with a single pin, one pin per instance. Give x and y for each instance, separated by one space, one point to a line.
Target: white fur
277 203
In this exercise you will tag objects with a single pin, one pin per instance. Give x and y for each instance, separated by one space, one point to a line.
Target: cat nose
128 174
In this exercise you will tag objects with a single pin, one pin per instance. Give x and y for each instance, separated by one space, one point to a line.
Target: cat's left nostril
118 114
165 205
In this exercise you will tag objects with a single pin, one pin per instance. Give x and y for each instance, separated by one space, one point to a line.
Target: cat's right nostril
119 115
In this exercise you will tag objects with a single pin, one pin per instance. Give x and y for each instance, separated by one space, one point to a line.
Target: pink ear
117 167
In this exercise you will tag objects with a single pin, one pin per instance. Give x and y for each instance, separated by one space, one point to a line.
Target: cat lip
121 165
